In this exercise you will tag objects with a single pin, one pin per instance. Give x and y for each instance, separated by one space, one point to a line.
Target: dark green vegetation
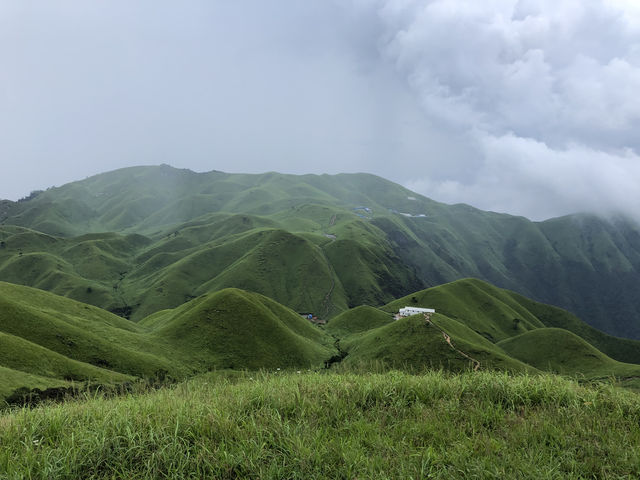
301 426
180 234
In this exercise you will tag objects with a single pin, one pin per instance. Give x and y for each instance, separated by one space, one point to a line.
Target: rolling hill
498 314
48 341
478 323
346 240
155 272
52 342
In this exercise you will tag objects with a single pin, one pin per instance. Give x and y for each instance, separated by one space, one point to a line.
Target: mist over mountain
521 106
317 243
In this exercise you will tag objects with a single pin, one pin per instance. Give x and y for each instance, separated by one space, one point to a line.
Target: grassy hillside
387 241
498 314
134 276
237 329
394 240
14 380
560 351
415 344
436 425
49 341
357 320
55 341
480 326
21 355
488 310
79 342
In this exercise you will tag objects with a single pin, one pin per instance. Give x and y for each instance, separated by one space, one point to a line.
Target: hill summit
142 239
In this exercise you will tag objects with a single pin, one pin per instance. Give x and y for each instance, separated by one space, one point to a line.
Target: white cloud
523 106
545 91
530 178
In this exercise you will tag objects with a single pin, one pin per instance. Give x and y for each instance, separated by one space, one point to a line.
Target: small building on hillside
313 319
408 311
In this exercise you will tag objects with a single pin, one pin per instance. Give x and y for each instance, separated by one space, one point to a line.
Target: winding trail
447 338
326 302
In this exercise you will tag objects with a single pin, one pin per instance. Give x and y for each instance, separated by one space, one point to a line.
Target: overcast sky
528 107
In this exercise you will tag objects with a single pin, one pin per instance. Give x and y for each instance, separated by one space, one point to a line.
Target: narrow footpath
326 302
447 338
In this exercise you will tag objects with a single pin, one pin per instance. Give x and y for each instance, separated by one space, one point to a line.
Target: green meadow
301 425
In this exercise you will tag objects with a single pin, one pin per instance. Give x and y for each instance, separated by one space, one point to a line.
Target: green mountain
316 243
440 343
479 324
52 342
48 341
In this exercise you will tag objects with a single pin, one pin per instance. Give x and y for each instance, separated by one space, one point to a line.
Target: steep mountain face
316 243
585 264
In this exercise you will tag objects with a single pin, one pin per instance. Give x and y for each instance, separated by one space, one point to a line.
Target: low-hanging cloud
527 107
527 176
545 93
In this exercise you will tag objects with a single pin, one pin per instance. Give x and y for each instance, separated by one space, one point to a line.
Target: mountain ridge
377 241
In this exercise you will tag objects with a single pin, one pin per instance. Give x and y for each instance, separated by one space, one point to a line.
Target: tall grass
324 425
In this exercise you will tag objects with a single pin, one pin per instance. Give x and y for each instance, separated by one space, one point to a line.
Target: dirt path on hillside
447 338
326 302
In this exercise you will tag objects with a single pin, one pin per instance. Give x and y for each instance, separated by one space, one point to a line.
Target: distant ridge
170 222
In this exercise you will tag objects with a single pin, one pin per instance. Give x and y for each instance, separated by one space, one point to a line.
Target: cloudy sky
529 107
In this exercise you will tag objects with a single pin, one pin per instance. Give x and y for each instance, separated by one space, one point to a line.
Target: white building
407 311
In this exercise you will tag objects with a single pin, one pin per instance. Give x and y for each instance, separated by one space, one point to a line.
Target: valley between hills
160 273
154 323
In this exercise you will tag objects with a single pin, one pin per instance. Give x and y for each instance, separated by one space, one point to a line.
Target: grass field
311 425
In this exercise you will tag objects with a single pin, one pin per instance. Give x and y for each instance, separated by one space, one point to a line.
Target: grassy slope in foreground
475 425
